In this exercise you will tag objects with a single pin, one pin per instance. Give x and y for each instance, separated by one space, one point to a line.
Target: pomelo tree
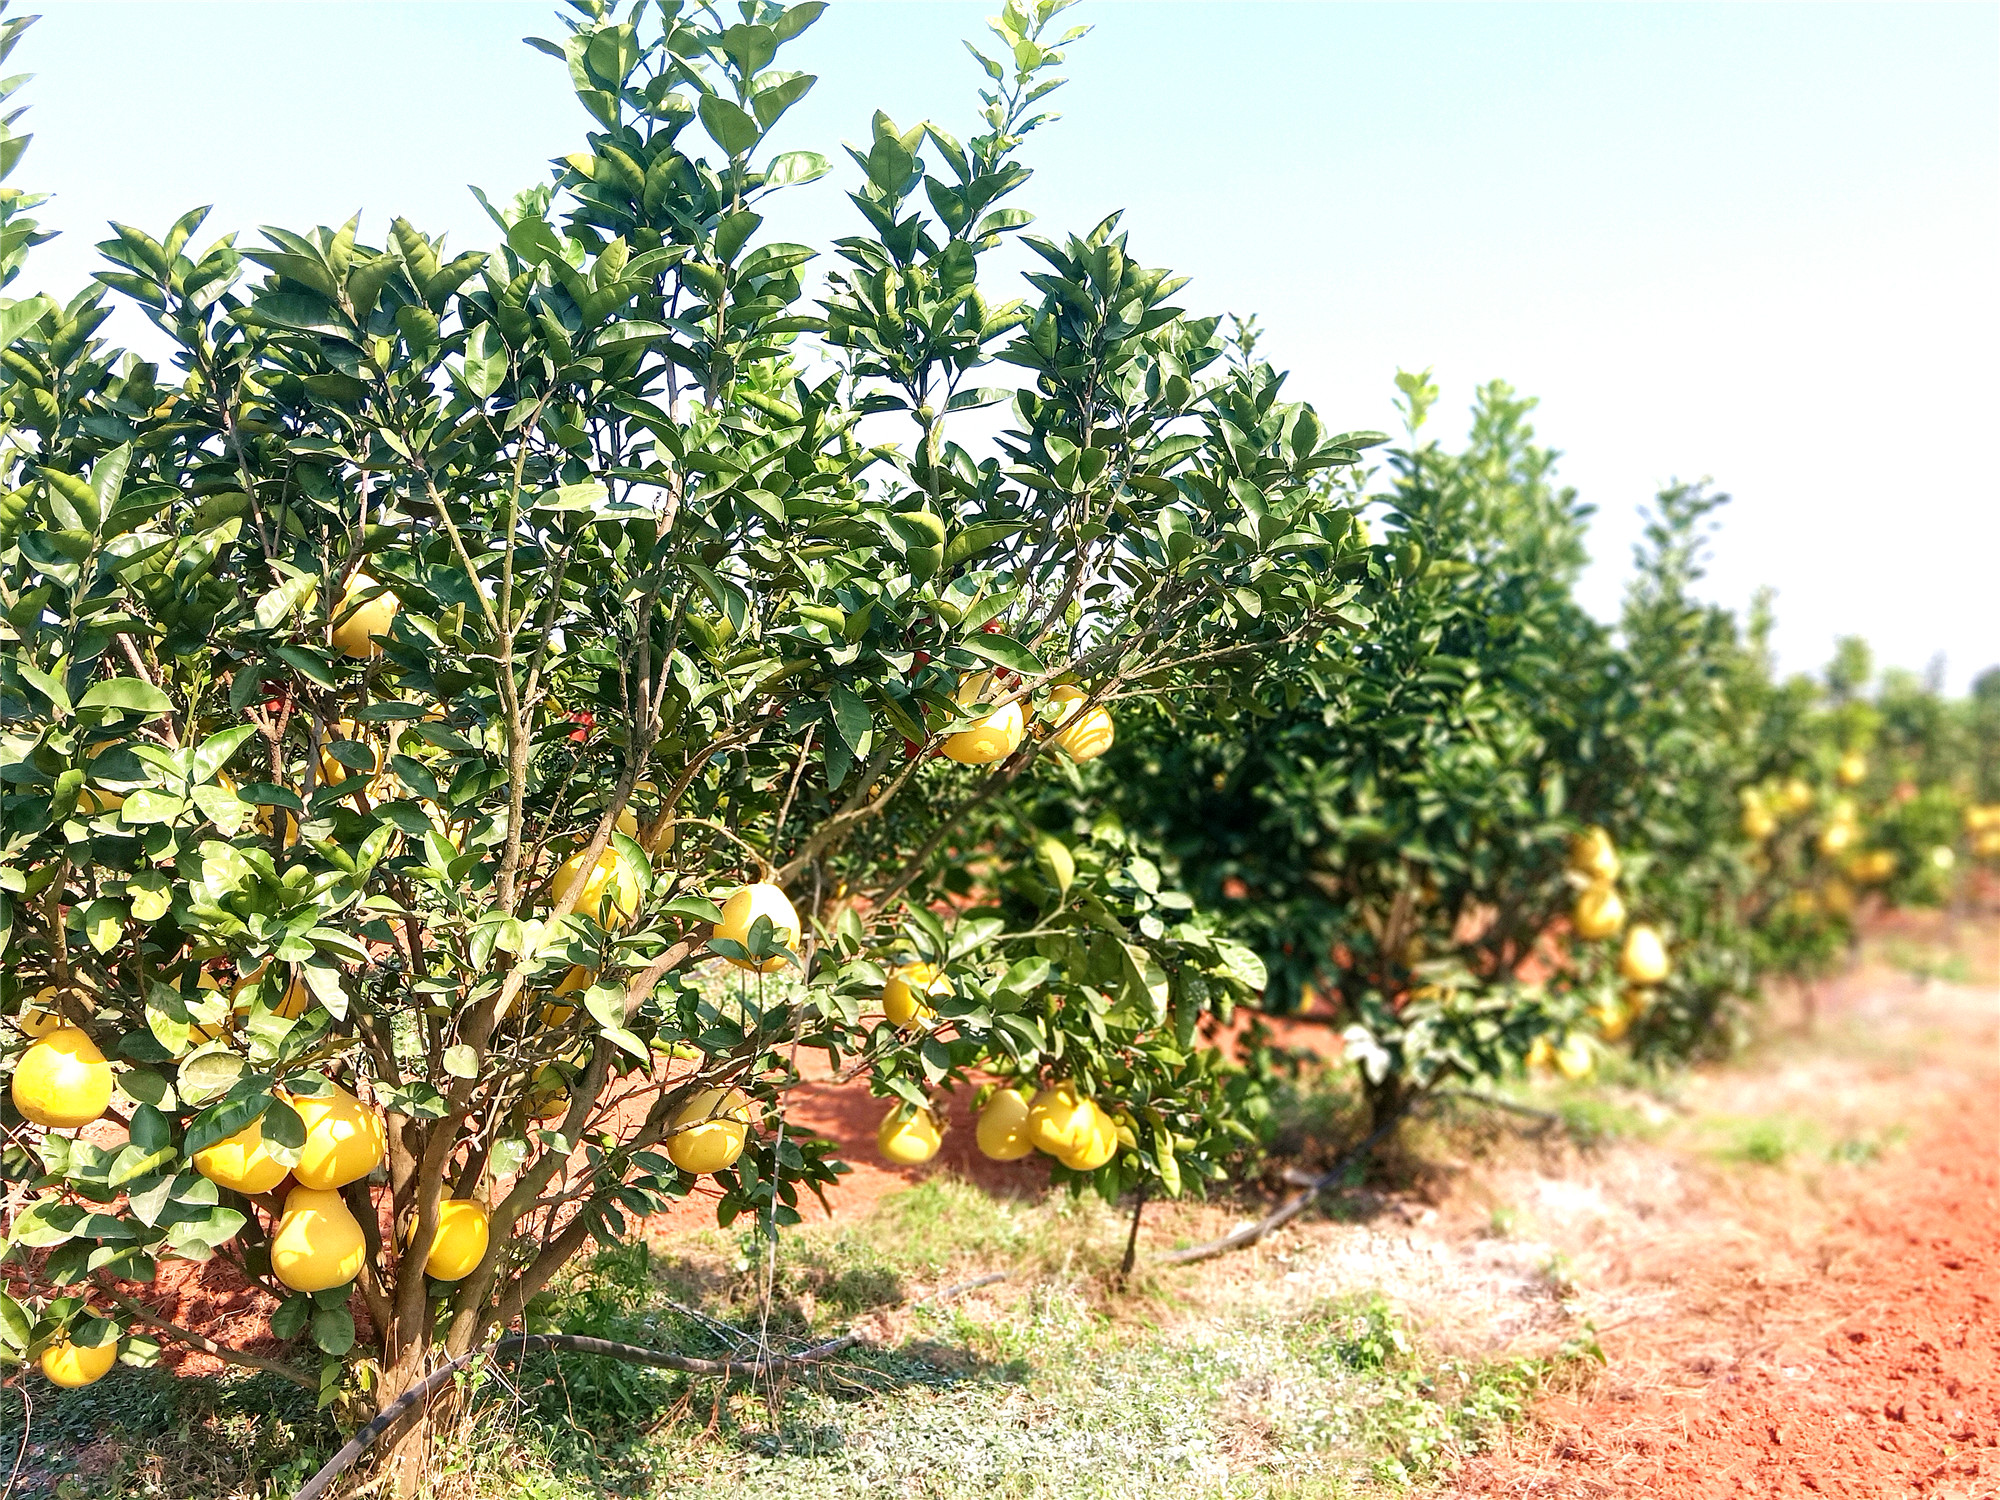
472 718
1391 827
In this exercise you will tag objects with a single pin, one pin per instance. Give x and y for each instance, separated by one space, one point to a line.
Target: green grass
1792 1141
1055 1399
1928 960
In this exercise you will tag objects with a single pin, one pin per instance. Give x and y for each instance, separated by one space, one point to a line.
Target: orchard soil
1812 1311
1790 1262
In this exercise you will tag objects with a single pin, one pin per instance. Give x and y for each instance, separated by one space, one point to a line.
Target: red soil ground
1896 1394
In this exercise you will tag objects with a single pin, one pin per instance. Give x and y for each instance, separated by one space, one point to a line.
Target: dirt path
1784 1330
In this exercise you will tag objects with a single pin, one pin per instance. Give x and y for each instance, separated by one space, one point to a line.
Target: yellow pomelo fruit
1758 823
1835 837
1839 897
264 821
908 1137
743 908
1574 1058
1088 736
93 800
241 1162
351 637
1644 960
608 892
1598 913
345 1140
333 773
574 982
548 1098
1059 1120
1613 1018
1002 1133
206 983
459 1244
1591 853
318 1243
994 737
709 1130
1795 795
71 1366
900 991
1853 768
1873 866
41 1015
291 1005
62 1081
1099 1144
1541 1054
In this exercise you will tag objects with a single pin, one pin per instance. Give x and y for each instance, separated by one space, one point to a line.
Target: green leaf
1005 650
131 694
1053 855
46 685
974 540
793 167
208 1073
16 1326
694 908
215 752
771 103
150 895
728 125
1026 976
146 806
288 1320
225 809
851 718
279 603
1147 989
242 1107
333 1330
104 923
18 317
298 312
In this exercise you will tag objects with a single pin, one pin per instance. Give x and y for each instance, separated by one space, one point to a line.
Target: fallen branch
1292 1207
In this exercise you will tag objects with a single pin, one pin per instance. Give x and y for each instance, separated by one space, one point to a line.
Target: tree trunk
1386 1100
1132 1240
403 1455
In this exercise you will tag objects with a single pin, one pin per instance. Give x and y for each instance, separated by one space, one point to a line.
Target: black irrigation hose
528 1343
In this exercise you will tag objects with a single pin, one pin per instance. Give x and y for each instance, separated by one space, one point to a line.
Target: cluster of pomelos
1059 1121
1764 807
1080 733
1597 915
1982 827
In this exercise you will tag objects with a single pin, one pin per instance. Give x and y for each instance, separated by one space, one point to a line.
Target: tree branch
193 1340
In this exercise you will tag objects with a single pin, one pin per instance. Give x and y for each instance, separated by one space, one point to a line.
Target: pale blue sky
1752 242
